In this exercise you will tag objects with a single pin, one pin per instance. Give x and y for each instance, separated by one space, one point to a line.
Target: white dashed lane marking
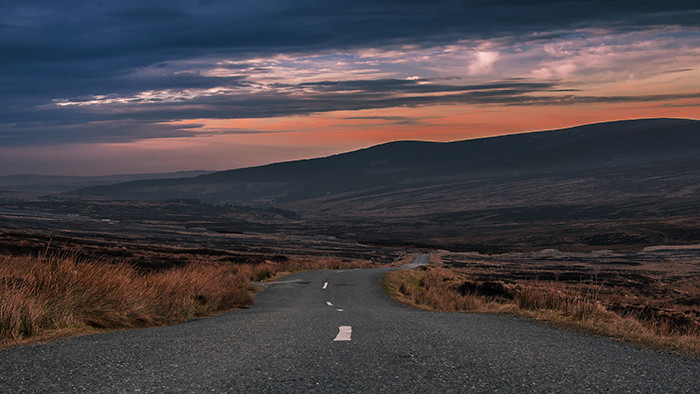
344 333
325 285
329 304
339 310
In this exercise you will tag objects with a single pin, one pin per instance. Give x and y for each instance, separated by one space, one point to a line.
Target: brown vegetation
63 294
572 306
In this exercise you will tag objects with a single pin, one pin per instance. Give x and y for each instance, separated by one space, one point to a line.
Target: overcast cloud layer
108 72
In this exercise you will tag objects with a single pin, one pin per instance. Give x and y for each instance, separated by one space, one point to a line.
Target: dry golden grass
427 289
63 295
443 290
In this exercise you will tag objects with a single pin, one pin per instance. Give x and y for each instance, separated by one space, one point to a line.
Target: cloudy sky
105 87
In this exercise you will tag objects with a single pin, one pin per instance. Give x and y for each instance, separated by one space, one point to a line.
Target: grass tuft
441 289
45 295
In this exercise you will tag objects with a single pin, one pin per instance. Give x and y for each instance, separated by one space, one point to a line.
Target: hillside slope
61 183
414 164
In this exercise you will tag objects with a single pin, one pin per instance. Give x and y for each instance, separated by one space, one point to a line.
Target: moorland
606 213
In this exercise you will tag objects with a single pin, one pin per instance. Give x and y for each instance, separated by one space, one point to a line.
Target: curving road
336 331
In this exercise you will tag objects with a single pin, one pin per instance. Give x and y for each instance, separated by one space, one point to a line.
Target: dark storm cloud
396 120
113 36
324 97
136 121
78 49
68 131
414 86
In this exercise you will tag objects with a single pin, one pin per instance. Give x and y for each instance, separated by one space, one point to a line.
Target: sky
113 87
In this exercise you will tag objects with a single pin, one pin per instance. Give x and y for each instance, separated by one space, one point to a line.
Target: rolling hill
61 183
405 166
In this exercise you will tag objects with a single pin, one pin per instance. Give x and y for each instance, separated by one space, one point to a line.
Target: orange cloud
345 130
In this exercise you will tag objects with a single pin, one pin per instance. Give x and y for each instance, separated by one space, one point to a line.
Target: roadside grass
43 297
578 308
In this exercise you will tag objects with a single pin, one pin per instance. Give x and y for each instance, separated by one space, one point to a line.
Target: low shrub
441 289
40 295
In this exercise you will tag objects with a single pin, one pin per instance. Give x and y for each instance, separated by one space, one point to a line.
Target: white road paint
339 310
329 304
344 333
282 282
325 285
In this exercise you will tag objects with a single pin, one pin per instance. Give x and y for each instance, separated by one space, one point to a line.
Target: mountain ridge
598 145
64 183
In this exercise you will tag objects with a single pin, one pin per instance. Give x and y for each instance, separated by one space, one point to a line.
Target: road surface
333 331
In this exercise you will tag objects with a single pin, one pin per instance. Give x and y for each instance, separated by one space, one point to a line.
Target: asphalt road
421 259
335 331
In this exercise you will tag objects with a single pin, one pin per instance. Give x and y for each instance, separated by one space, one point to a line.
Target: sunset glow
172 105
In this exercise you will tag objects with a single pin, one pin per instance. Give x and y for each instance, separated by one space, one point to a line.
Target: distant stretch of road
331 331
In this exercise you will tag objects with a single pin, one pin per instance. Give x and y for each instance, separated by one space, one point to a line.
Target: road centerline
344 333
325 285
328 303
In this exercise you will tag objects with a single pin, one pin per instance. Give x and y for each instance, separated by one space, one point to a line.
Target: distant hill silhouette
63 183
410 165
